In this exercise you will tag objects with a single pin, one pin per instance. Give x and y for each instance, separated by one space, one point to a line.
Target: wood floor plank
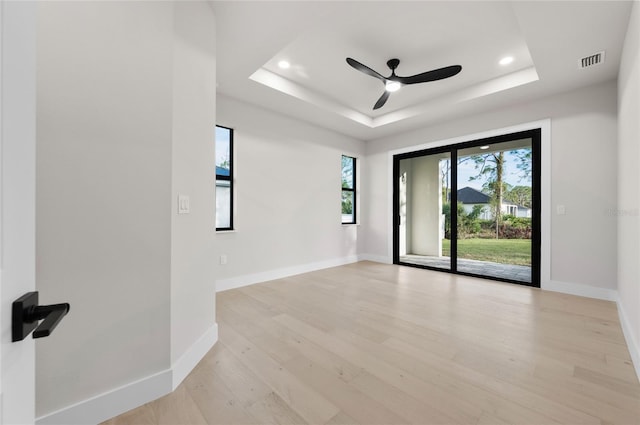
372 343
457 382
220 365
324 310
409 407
277 349
595 403
489 387
603 380
553 376
177 408
215 400
272 409
621 369
304 400
489 419
341 418
459 410
346 397
333 364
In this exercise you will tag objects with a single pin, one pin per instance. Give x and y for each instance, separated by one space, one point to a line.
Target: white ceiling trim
486 88
476 91
286 86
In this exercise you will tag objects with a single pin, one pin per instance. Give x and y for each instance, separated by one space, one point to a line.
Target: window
224 178
348 190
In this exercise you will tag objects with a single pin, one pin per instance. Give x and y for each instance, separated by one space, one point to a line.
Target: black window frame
349 189
229 178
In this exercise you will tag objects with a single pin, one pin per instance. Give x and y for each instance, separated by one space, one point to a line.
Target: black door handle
26 313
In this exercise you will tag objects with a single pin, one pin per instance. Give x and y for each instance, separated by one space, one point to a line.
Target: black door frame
536 136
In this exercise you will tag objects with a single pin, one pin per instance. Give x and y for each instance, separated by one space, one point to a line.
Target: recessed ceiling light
392 86
506 60
484 147
284 64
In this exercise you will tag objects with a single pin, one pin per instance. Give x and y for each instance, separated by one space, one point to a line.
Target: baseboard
375 258
632 343
581 290
250 279
185 364
112 403
120 400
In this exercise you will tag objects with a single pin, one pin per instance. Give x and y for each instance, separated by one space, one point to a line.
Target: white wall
126 108
627 214
193 170
425 206
287 196
583 179
405 191
17 202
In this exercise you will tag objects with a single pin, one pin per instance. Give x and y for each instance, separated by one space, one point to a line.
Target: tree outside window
348 190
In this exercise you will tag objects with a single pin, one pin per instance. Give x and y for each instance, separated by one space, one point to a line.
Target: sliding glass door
423 184
495 202
472 208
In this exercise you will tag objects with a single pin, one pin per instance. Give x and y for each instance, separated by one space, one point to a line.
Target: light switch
183 204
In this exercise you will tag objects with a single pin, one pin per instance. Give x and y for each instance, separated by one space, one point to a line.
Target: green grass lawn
505 251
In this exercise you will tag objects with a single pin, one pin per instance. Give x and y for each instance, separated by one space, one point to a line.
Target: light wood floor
371 343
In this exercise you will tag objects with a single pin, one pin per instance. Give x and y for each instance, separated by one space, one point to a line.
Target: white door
17 203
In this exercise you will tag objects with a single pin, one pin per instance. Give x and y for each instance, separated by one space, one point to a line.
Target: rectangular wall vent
592 60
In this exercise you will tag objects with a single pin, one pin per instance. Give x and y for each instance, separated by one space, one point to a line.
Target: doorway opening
471 208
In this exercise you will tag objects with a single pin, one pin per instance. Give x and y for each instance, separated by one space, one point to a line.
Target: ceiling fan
393 82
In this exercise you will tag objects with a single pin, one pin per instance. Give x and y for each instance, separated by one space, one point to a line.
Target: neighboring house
223 197
222 171
471 197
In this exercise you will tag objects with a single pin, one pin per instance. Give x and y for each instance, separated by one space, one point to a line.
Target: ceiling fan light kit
392 86
394 82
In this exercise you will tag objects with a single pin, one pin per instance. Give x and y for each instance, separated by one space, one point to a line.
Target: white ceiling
546 39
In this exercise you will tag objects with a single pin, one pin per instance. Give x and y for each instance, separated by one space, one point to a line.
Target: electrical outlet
223 260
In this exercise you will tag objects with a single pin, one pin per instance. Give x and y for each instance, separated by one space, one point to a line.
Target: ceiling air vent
589 61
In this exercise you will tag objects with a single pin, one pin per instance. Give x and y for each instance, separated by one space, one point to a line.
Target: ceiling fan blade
363 68
436 74
382 100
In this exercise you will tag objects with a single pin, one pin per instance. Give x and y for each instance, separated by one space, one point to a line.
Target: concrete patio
484 268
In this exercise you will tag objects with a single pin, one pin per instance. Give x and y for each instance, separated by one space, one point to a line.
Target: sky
222 144
512 175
